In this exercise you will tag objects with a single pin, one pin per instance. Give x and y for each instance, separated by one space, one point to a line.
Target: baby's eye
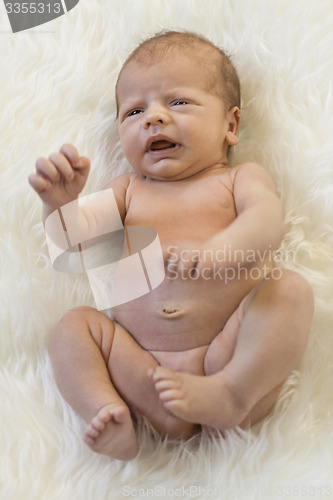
179 102
134 112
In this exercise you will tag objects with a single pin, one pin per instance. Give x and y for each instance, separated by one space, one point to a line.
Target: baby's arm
259 224
60 179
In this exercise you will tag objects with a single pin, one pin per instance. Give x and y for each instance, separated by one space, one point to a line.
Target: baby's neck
211 170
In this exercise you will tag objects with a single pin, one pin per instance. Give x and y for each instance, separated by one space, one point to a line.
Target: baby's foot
205 400
111 433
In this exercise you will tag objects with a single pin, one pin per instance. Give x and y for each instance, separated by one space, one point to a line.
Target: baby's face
170 125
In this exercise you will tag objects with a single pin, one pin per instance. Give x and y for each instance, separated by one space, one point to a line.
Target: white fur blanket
57 84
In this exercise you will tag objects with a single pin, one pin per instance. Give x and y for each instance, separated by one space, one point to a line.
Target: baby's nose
156 116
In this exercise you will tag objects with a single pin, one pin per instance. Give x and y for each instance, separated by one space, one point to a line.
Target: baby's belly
182 314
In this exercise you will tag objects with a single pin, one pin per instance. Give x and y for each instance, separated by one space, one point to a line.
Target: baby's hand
183 260
195 260
60 178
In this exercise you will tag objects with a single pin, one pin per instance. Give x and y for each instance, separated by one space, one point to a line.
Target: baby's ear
233 118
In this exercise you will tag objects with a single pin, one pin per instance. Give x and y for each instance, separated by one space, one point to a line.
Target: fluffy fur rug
57 83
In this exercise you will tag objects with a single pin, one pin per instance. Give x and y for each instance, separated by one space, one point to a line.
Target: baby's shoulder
246 168
251 181
122 181
248 172
228 175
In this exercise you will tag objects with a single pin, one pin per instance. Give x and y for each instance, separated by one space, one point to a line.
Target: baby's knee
297 304
72 319
80 322
293 289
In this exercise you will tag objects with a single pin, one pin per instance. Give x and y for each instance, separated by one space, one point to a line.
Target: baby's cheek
130 150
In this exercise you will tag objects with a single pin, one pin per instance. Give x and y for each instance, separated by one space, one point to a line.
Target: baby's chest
182 208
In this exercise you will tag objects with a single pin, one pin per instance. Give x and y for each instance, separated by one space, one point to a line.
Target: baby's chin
168 170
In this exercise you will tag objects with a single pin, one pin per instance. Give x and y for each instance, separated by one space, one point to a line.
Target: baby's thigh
222 348
128 366
86 330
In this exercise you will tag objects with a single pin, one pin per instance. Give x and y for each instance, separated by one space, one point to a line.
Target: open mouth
161 145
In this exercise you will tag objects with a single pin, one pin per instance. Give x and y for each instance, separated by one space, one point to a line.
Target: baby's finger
171 258
71 153
62 165
83 164
45 168
78 162
39 183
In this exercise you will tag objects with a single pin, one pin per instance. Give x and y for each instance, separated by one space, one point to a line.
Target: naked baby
199 350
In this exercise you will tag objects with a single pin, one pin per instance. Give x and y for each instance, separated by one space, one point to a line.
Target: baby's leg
248 361
102 372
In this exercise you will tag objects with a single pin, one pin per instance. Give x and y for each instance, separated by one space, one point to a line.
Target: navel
171 312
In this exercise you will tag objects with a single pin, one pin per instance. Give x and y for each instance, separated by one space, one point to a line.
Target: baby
212 345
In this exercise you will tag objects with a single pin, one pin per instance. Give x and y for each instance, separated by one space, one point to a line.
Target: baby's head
222 78
178 100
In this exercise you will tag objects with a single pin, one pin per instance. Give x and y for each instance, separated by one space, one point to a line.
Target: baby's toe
98 423
121 414
166 385
88 440
170 395
105 415
163 373
177 407
92 432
